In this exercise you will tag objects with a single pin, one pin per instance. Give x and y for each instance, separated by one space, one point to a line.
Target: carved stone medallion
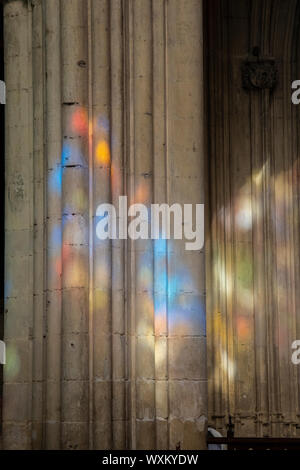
259 75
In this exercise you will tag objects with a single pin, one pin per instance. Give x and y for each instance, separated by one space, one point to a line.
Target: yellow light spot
103 153
13 362
101 300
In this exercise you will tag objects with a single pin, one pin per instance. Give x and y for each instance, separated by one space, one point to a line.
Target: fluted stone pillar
105 339
253 244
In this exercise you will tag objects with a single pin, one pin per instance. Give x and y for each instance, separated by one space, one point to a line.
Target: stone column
19 385
106 339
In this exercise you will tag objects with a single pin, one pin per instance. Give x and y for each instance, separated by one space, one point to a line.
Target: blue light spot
55 180
66 155
103 123
7 289
55 239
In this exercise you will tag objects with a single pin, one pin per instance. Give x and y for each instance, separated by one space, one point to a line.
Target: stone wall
105 340
253 273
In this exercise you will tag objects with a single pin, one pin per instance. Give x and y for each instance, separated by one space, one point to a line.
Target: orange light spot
142 193
65 252
243 327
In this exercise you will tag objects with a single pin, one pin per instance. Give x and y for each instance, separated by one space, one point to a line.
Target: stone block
187 358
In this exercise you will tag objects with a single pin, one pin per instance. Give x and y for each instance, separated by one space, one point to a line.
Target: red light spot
80 121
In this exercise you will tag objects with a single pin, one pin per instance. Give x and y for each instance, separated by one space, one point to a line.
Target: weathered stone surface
188 434
182 353
104 98
252 268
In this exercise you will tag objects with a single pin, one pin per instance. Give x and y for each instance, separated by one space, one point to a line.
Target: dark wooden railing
253 443
249 443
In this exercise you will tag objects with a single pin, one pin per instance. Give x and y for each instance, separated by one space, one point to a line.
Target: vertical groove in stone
118 265
31 194
260 334
226 255
53 150
160 196
271 279
270 238
228 217
143 185
211 242
91 227
75 207
242 285
39 223
130 255
101 92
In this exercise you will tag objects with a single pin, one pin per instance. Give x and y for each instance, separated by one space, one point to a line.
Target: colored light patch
160 308
7 289
225 279
187 315
80 121
103 124
101 300
244 214
58 266
179 283
75 272
228 365
245 272
145 276
66 252
71 155
142 193
79 206
66 155
103 276
160 324
55 180
55 238
13 362
161 279
160 247
243 328
219 327
145 320
103 153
